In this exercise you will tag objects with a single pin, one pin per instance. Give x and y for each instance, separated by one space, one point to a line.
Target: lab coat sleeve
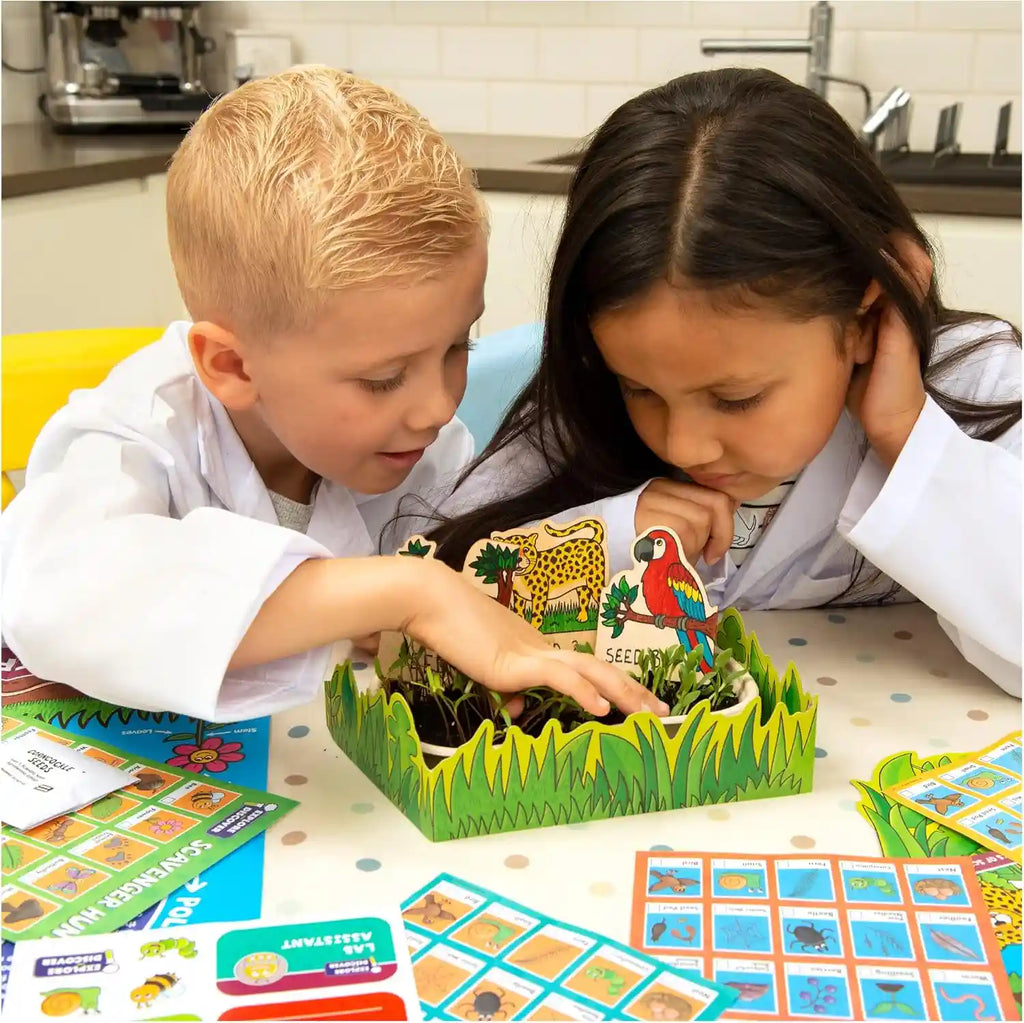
105 591
519 466
946 524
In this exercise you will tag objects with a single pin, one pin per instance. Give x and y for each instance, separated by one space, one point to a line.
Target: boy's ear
219 358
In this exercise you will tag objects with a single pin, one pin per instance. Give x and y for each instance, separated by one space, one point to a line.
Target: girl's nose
690 442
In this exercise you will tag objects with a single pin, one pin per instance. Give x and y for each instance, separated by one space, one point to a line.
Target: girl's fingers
555 674
613 684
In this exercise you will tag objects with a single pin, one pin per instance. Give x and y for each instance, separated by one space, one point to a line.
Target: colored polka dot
903 634
296 779
362 807
517 862
602 889
359 665
293 838
719 813
847 804
368 865
900 697
865 658
827 680
939 672
860 722
820 753
661 848
298 731
802 842
978 715
837 619
797 641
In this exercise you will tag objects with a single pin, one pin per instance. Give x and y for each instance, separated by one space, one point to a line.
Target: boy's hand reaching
701 518
501 651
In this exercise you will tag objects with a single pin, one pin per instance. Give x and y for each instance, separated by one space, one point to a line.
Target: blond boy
196 532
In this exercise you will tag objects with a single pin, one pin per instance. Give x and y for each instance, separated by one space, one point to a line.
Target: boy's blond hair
296 186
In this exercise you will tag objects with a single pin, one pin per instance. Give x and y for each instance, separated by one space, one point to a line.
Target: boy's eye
383 386
467 344
738 404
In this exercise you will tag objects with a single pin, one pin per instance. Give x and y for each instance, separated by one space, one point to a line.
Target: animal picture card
1000 880
661 602
826 937
92 871
356 968
980 797
479 956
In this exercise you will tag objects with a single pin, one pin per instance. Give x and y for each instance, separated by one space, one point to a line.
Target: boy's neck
278 468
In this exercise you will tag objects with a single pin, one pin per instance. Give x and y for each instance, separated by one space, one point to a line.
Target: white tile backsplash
548 67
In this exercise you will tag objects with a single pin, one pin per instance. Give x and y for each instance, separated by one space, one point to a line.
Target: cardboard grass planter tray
503 779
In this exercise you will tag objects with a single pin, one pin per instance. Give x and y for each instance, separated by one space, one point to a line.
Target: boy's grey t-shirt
291 514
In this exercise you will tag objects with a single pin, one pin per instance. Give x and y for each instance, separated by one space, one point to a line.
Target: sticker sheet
980 797
94 870
354 968
478 956
1000 880
826 937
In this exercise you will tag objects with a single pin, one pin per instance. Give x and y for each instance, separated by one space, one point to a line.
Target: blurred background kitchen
94 96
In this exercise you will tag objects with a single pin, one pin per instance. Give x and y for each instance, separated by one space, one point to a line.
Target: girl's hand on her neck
887 393
701 518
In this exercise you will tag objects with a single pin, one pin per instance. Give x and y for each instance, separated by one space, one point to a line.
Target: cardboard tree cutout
659 603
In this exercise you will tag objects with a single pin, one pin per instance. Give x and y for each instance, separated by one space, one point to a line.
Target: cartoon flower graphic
165 825
212 754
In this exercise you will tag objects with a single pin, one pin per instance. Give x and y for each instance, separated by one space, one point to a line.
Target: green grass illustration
593 772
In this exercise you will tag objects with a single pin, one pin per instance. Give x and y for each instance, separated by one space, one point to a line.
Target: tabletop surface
888 679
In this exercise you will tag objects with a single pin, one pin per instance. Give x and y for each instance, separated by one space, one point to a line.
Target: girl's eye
738 404
629 392
383 386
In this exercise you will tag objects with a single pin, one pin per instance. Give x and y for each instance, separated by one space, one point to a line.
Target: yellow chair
40 370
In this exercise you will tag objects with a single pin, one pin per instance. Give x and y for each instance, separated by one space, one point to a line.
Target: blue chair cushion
500 366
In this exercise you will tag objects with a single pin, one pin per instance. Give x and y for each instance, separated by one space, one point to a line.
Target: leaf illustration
12 856
180 737
107 806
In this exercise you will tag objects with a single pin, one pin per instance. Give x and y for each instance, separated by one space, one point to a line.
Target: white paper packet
41 779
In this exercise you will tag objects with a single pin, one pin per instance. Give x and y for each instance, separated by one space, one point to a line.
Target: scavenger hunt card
477 955
979 797
354 968
826 937
93 870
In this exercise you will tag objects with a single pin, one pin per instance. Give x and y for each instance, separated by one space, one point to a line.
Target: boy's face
359 397
739 401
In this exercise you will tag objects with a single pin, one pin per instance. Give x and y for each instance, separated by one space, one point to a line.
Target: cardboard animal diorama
655 621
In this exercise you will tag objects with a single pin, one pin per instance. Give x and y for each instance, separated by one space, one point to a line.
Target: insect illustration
73 875
946 941
881 883
941 804
185 948
486 1004
59 830
937 887
431 910
809 938
668 881
615 981
204 799
152 988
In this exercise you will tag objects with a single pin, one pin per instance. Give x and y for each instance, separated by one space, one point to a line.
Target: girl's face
741 400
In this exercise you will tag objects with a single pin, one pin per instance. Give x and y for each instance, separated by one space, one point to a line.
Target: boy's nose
435 407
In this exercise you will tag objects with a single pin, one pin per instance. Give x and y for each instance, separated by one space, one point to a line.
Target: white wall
543 67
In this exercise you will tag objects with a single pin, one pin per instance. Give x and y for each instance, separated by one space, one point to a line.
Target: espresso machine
124 66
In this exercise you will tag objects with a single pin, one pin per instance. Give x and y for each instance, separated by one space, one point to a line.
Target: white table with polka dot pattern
888 679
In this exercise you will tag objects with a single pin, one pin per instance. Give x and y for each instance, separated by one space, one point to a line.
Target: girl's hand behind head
886 391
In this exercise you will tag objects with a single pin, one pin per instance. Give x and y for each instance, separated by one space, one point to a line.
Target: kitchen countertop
36 160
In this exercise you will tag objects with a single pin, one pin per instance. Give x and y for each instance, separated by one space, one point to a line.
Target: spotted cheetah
579 565
1004 909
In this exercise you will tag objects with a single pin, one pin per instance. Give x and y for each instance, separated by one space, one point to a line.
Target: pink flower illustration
165 826
213 755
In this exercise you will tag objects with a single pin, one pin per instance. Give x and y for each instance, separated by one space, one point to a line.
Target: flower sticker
211 754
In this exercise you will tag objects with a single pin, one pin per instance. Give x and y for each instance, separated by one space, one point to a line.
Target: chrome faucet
817 45
890 121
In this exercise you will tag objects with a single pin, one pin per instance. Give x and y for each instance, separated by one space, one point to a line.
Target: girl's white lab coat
945 523
145 542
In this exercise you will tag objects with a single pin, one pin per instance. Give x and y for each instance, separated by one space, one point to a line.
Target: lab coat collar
811 510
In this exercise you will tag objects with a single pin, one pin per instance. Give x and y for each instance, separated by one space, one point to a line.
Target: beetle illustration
809 938
485 1005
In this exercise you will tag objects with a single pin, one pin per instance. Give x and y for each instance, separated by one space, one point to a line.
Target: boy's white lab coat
945 523
145 542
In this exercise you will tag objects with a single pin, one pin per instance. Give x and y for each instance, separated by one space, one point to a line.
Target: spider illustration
485 1004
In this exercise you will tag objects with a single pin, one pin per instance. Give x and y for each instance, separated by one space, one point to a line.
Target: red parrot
670 588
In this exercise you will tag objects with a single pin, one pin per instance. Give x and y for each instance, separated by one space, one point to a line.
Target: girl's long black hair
735 181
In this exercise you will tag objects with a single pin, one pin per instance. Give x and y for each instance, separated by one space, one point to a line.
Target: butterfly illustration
73 875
